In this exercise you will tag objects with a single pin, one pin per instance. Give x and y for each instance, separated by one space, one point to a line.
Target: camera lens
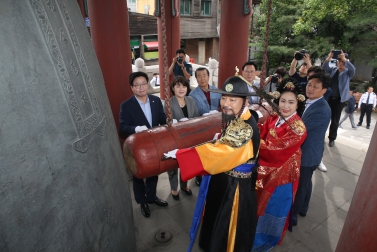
274 79
299 56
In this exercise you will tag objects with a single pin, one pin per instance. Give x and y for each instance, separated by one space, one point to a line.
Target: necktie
368 99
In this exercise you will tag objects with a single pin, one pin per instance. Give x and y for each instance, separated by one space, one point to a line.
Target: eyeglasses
138 86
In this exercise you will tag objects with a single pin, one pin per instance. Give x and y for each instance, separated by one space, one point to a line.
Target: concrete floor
318 231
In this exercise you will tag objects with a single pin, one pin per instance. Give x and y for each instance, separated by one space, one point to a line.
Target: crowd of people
255 178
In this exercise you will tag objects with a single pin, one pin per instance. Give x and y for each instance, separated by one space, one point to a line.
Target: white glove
171 154
259 114
216 136
174 121
140 128
183 119
213 112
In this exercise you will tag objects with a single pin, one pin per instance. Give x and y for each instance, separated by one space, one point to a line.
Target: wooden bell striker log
144 151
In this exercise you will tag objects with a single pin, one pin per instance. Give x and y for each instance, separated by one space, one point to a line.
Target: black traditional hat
235 86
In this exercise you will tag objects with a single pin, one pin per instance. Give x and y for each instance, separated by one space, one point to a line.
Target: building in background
144 37
199 28
141 6
200 22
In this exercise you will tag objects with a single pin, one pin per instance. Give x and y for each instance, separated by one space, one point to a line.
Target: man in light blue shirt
146 107
139 113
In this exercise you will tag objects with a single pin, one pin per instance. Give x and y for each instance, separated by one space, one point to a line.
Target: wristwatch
183 68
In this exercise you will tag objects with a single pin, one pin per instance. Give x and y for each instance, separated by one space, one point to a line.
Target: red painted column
360 228
234 33
82 7
111 40
173 35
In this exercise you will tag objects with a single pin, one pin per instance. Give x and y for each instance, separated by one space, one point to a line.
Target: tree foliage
349 25
282 41
319 26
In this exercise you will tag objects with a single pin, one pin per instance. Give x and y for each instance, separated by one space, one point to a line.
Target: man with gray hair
249 71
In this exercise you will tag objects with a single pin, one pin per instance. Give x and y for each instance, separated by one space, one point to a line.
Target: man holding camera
179 66
301 75
340 79
274 80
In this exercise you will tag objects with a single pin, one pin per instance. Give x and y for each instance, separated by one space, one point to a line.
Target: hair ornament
275 94
289 86
292 85
300 98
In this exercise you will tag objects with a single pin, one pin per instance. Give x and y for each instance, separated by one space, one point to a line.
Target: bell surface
64 185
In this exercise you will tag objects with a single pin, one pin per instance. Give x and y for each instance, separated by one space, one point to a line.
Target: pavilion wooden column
82 7
111 40
173 35
234 33
360 228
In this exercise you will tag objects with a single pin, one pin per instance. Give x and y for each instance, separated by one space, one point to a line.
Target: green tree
282 41
348 25
319 26
343 24
362 35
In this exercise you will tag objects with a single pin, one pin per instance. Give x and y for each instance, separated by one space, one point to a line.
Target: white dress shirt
155 81
310 102
372 98
253 99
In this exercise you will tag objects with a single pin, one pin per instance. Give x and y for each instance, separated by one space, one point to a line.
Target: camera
335 53
179 59
275 79
300 54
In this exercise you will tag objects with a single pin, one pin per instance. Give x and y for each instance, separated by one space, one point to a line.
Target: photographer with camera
300 76
274 80
341 75
179 67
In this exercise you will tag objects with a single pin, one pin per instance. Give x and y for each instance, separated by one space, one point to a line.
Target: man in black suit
140 112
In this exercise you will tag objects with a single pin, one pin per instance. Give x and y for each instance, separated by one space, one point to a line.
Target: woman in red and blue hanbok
279 159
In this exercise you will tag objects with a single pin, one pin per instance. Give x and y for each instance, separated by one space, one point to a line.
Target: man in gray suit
205 100
316 117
